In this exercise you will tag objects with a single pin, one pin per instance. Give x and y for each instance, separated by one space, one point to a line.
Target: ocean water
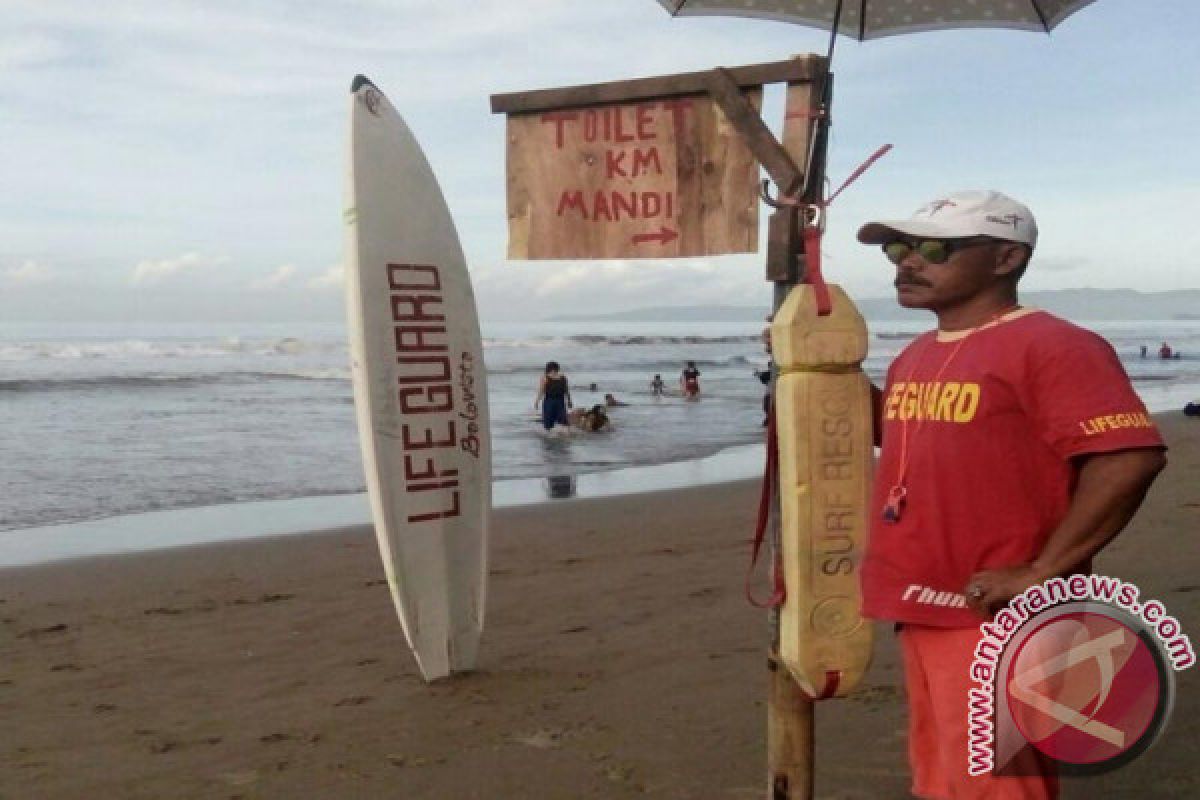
111 419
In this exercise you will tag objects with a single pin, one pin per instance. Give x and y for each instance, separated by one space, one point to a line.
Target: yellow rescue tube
823 423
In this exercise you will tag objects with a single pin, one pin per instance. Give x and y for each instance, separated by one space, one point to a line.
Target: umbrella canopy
873 19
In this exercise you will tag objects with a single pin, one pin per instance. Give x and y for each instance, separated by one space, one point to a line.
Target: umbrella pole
833 32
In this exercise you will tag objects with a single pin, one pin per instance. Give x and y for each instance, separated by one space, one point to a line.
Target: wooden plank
783 243
795 70
801 110
659 179
758 137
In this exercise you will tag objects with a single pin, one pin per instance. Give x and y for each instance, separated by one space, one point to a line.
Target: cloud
148 273
220 128
1060 263
29 51
566 287
332 278
277 279
27 274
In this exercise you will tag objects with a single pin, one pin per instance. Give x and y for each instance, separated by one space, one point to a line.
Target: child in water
593 420
554 396
689 381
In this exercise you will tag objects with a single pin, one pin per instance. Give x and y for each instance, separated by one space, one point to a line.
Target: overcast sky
184 160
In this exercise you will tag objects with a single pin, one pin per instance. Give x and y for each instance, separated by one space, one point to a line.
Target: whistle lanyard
893 507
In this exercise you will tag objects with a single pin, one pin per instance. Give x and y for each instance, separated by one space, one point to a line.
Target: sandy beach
621 659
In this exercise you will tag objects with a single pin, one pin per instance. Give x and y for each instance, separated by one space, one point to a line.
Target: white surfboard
420 387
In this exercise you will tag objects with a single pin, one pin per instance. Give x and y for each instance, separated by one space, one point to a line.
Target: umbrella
873 19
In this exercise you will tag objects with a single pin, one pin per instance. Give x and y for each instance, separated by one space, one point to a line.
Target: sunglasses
933 251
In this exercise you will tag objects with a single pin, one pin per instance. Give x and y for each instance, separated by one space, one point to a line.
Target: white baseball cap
959 215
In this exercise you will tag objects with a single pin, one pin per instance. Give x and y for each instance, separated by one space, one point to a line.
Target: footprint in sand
618 773
542 739
243 778
875 696
261 599
352 701
169 611
34 633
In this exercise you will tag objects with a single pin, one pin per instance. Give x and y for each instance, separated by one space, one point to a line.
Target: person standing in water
554 396
656 386
689 381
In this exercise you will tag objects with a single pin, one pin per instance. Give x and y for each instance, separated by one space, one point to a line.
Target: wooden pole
790 719
790 736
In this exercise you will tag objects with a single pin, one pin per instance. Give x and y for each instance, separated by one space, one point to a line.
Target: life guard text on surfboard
425 391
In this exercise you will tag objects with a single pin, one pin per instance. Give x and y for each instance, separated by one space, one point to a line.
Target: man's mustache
909 282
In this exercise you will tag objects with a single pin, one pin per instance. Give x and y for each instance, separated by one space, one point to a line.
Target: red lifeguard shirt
991 430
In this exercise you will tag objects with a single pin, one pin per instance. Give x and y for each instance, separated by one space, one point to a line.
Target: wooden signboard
655 178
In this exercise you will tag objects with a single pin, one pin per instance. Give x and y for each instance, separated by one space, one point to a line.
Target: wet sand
620 660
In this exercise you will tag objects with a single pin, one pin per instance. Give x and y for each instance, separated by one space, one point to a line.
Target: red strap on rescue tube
833 677
770 479
863 167
812 269
813 233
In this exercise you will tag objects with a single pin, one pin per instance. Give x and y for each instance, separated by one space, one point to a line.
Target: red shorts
937 665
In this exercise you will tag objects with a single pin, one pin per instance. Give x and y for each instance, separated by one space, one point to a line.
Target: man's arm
1109 491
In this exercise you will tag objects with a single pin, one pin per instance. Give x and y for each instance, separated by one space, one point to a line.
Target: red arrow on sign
663 236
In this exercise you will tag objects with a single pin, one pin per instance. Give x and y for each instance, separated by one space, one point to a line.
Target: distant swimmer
1165 351
656 386
554 396
593 420
611 401
765 375
689 381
